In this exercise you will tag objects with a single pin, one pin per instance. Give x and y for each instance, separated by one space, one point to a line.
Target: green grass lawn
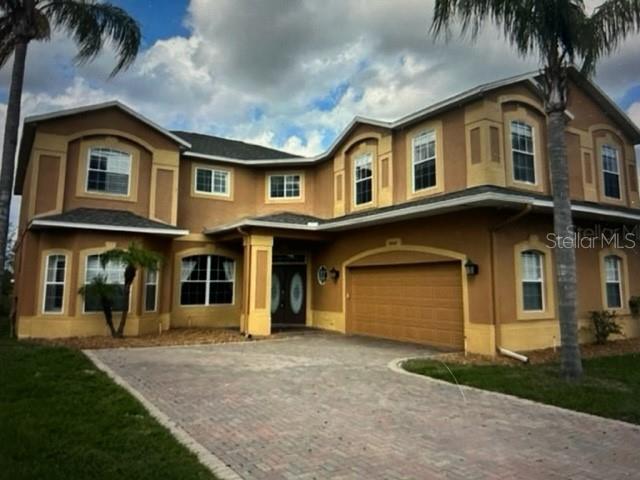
61 418
610 387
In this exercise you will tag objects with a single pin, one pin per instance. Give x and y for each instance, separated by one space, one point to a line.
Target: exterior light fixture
335 274
471 268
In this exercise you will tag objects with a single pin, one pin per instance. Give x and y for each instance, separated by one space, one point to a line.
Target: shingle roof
103 219
225 147
289 217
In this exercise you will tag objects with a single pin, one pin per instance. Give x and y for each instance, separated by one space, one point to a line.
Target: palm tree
89 23
559 32
104 293
133 258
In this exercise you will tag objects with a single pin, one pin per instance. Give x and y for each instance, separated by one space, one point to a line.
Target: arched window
523 155
613 281
207 280
532 268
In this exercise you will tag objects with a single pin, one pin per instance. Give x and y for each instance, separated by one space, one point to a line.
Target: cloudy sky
285 73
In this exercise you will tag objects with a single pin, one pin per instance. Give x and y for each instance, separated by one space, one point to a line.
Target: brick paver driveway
328 407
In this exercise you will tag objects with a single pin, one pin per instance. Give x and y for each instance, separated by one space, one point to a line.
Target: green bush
634 306
604 324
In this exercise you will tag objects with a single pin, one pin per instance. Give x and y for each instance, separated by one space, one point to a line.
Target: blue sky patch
159 20
331 99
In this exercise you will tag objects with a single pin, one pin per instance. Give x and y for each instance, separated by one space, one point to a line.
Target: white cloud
255 70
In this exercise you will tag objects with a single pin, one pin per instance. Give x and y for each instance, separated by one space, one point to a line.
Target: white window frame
428 134
287 179
618 281
86 282
147 283
47 282
89 169
357 162
208 281
532 153
541 259
610 172
214 171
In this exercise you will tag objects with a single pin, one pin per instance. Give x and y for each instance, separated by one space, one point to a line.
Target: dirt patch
175 336
549 355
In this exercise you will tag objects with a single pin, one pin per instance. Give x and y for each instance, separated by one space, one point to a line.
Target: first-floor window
113 274
532 280
284 186
212 181
54 283
613 284
424 161
150 290
207 280
363 175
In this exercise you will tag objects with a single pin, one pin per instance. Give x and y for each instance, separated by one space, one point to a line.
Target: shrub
634 306
604 324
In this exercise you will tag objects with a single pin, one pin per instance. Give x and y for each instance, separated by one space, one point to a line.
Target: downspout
492 239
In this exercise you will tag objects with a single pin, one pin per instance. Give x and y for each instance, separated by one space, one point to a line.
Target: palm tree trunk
108 316
10 143
129 276
571 364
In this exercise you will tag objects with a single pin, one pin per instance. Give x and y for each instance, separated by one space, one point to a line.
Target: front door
288 295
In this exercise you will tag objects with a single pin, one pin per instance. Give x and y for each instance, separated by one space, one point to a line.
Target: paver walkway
328 407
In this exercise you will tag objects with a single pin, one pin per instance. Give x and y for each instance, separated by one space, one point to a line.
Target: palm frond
91 24
7 40
609 25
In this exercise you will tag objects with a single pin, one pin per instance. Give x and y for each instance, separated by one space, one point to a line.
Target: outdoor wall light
471 268
335 274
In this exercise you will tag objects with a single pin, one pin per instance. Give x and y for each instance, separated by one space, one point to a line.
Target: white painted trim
89 169
45 282
100 106
488 198
93 226
284 176
227 172
206 457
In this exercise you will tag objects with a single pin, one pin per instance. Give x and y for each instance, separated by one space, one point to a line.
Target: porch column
256 317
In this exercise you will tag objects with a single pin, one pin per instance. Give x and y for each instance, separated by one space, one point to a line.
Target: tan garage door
415 303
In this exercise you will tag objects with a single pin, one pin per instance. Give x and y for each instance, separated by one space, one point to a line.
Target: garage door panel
417 303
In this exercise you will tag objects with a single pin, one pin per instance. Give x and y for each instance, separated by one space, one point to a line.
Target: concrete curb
396 366
208 459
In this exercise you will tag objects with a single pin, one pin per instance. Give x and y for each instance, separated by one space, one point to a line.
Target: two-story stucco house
432 228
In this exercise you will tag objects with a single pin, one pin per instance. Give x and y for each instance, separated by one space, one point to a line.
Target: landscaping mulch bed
175 336
549 355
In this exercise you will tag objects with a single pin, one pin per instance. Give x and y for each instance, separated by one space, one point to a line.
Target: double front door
288 294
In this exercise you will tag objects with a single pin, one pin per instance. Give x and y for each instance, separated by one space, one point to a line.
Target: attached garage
419 303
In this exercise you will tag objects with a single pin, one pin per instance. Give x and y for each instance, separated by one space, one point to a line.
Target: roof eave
171 232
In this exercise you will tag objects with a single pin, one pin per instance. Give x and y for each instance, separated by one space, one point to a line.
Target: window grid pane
54 283
532 280
284 186
611 172
363 179
613 283
522 151
108 171
207 280
150 290
424 161
113 274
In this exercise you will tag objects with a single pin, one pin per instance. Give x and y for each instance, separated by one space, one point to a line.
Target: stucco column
256 318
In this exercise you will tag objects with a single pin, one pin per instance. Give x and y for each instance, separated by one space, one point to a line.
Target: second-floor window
524 169
424 161
212 181
532 280
284 186
108 171
610 171
363 179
